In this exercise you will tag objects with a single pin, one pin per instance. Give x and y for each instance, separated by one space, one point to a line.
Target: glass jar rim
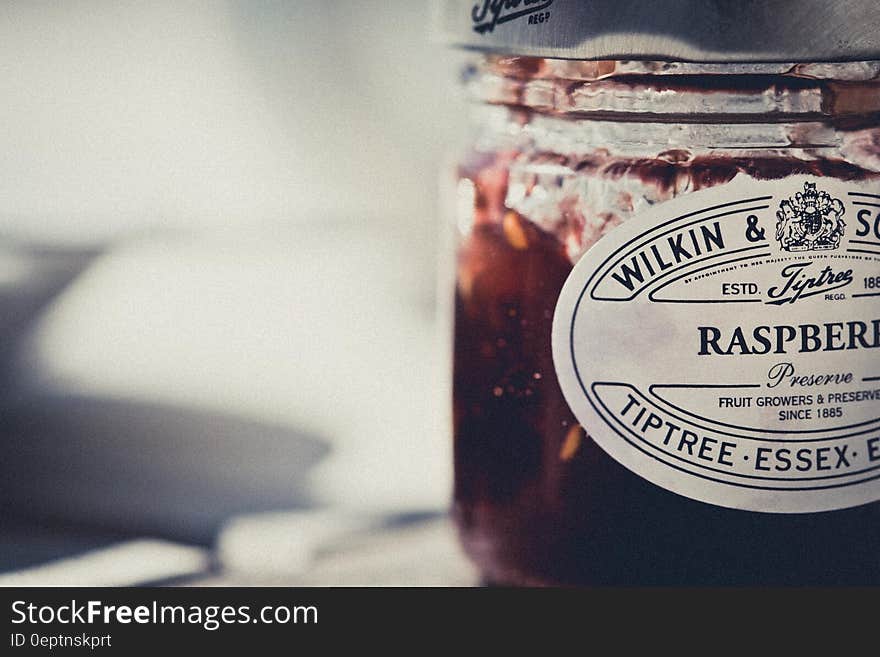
621 89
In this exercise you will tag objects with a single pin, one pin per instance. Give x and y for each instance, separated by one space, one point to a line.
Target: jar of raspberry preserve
667 292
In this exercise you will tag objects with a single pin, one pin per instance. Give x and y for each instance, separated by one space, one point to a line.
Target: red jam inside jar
563 152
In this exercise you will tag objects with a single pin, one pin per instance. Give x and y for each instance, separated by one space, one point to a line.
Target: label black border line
863 194
710 385
695 271
672 221
696 474
876 253
727 472
865 242
661 451
665 405
608 268
678 270
772 431
865 204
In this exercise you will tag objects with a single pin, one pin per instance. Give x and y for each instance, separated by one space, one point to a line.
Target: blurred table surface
424 553
415 552
129 451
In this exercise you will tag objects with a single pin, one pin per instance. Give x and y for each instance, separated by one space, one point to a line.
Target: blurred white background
254 184
121 114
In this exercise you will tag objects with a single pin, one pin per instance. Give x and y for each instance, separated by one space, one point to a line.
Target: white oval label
725 345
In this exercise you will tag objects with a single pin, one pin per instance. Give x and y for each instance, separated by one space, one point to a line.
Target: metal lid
676 30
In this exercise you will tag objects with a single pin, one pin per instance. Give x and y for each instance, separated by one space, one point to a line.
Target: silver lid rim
709 31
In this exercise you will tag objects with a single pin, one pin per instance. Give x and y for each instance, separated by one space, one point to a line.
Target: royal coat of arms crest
811 220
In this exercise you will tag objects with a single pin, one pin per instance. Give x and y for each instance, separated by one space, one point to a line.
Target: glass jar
564 155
